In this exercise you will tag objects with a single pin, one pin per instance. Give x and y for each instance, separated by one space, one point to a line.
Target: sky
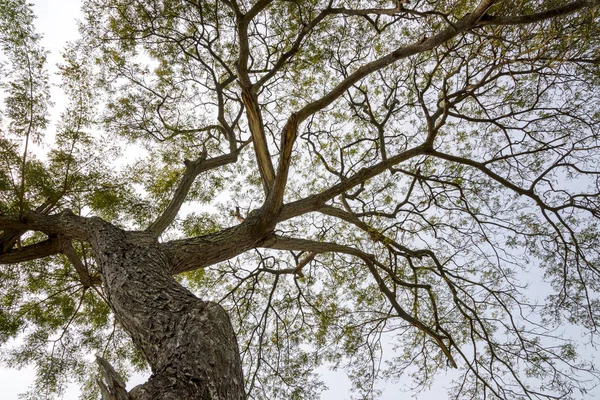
57 22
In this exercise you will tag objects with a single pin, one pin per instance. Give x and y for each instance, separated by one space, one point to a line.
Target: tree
395 189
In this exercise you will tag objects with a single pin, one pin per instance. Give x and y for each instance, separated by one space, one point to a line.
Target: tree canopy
395 189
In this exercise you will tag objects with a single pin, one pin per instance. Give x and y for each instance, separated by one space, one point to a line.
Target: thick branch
464 24
259 6
288 135
65 224
243 21
10 236
537 17
193 169
198 252
315 202
52 246
43 249
261 148
112 386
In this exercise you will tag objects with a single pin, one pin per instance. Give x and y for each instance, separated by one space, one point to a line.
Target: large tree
239 192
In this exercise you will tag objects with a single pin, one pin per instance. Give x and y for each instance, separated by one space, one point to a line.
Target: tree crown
394 188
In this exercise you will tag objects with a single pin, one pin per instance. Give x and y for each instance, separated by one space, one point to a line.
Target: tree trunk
189 343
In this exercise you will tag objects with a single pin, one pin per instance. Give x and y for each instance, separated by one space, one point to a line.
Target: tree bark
189 343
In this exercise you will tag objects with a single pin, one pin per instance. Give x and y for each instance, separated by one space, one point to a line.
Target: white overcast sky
57 22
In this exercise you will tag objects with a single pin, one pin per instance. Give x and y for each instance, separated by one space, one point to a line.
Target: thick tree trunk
189 343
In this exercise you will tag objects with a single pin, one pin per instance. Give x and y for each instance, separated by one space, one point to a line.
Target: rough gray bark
189 343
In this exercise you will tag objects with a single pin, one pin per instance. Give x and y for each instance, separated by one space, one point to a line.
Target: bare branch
316 201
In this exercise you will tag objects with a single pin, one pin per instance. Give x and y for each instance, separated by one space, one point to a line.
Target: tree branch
82 271
260 145
274 201
566 9
289 133
43 249
10 236
259 6
193 169
66 224
308 28
316 201
112 386
464 24
285 243
199 252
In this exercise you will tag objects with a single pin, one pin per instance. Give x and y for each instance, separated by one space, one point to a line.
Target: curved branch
539 16
290 131
285 243
66 224
10 236
469 21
